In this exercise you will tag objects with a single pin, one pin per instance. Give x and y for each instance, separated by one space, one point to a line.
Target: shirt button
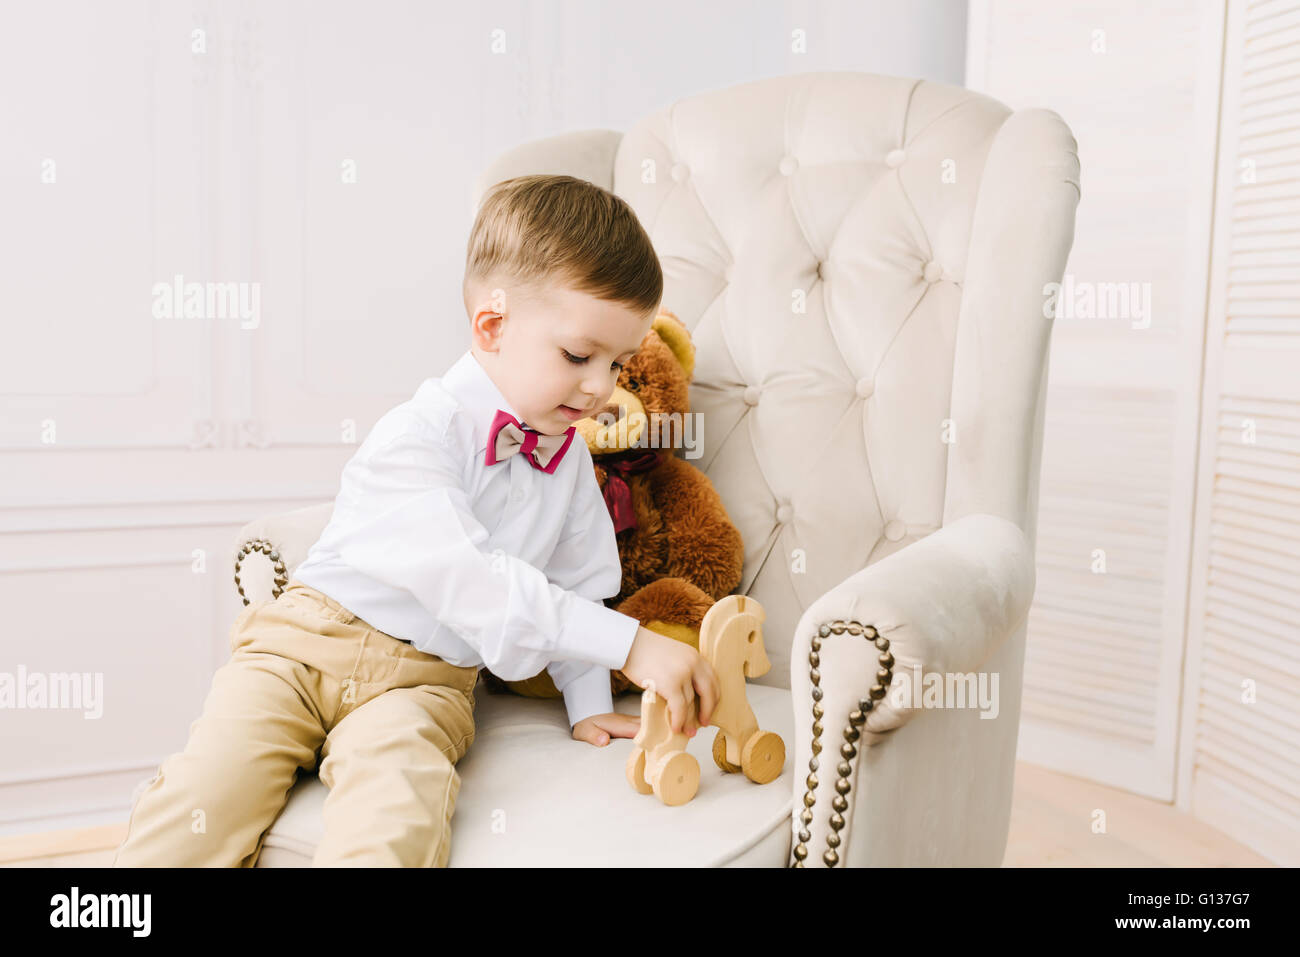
517 495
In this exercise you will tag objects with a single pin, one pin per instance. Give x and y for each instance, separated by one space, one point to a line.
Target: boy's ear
487 331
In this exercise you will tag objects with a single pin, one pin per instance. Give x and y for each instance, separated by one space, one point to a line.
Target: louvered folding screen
1242 718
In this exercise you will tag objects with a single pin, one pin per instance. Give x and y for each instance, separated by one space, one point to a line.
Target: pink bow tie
508 435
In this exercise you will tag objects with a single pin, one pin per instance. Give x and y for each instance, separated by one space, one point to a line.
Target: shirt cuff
588 694
597 634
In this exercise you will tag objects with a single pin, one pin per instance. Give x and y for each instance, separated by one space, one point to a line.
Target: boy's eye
579 360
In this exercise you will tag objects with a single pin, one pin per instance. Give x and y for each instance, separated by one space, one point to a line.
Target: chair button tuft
895 530
865 387
932 271
788 165
751 395
784 514
894 159
679 172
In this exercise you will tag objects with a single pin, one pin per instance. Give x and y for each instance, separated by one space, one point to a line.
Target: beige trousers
308 678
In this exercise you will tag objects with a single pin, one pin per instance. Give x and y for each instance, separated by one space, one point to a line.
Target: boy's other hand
599 728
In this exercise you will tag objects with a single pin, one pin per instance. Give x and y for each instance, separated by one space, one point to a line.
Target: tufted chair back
862 263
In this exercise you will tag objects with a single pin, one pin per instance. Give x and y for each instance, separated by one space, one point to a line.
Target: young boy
469 530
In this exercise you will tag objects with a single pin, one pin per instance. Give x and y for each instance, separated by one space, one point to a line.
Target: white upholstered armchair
861 260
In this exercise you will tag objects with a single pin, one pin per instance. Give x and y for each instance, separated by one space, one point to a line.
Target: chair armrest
942 604
268 549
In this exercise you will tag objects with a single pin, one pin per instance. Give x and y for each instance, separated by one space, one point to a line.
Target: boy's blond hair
534 230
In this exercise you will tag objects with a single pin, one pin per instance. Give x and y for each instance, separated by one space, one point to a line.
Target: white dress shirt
498 565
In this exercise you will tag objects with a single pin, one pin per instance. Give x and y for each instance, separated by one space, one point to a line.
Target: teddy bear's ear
675 335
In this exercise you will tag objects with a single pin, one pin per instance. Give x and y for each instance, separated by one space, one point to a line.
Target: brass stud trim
851 733
277 565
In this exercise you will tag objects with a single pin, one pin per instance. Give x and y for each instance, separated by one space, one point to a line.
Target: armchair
861 260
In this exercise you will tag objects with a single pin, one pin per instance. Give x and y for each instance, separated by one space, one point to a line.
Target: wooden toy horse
731 639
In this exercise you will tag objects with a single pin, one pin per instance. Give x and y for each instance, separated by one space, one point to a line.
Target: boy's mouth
571 413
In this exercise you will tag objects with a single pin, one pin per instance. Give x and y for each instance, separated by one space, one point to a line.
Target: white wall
133 447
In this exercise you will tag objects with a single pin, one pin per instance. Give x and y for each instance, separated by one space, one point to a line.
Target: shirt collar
468 382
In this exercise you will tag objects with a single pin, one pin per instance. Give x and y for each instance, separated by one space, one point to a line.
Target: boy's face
565 349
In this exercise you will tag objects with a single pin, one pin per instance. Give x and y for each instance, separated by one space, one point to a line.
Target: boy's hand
599 728
681 676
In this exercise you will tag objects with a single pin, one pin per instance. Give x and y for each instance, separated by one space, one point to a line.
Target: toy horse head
756 661
741 630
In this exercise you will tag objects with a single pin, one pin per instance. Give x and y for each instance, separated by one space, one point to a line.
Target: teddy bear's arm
704 547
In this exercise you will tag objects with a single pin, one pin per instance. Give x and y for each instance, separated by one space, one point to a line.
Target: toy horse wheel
678 780
636 771
720 753
763 757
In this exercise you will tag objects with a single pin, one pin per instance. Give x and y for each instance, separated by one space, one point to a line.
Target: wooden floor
1051 826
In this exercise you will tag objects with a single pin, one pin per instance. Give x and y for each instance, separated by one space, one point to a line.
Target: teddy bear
680 552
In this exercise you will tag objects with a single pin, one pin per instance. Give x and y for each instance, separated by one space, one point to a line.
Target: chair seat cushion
531 796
